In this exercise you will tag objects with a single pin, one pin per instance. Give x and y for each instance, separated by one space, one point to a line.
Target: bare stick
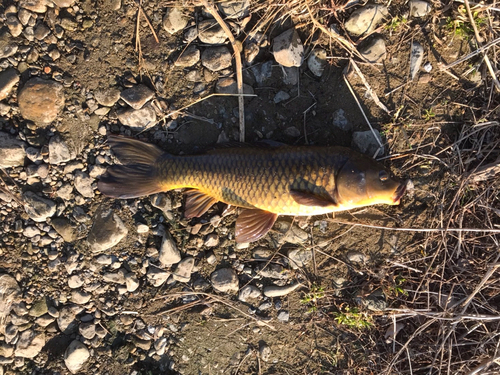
421 230
223 302
489 273
486 59
339 39
472 54
368 87
237 47
363 112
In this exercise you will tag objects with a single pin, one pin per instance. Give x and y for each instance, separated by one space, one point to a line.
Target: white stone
365 19
12 151
169 253
29 344
288 49
249 292
184 269
75 356
175 20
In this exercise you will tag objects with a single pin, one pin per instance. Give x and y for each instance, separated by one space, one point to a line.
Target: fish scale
246 178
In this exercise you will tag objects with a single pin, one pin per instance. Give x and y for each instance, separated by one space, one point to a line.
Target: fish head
363 182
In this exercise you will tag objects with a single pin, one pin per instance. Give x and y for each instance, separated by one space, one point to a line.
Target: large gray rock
210 32
8 46
225 280
317 61
41 100
216 58
234 8
29 344
183 270
373 50
37 6
137 96
12 151
9 292
419 8
366 19
288 49
83 184
75 356
366 143
66 321
300 257
107 97
38 208
108 230
188 57
138 119
8 79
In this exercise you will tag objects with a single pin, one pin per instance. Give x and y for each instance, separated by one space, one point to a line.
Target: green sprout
353 318
428 114
397 288
396 22
316 293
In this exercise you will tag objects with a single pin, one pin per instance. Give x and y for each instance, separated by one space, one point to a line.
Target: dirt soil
429 139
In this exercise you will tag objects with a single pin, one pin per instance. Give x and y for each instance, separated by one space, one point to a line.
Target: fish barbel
264 181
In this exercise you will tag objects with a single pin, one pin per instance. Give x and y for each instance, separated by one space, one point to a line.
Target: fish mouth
400 191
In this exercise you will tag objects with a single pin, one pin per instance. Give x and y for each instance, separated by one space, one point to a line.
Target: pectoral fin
253 224
307 198
197 203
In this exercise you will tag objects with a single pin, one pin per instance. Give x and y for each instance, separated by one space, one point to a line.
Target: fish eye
383 176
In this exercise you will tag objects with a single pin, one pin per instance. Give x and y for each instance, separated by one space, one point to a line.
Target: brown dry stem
238 49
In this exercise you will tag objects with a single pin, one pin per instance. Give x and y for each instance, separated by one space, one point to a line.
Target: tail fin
137 176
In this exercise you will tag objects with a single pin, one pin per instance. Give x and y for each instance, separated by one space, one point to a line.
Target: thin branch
238 48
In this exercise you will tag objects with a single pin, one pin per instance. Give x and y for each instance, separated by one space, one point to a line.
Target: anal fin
253 224
310 199
197 203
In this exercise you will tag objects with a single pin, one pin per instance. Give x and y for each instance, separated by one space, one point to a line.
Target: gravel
8 79
12 151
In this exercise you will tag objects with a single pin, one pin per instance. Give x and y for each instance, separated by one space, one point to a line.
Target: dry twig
238 49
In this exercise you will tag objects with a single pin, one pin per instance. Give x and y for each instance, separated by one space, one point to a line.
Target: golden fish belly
258 178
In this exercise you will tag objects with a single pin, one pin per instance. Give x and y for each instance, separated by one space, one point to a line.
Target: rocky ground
94 285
